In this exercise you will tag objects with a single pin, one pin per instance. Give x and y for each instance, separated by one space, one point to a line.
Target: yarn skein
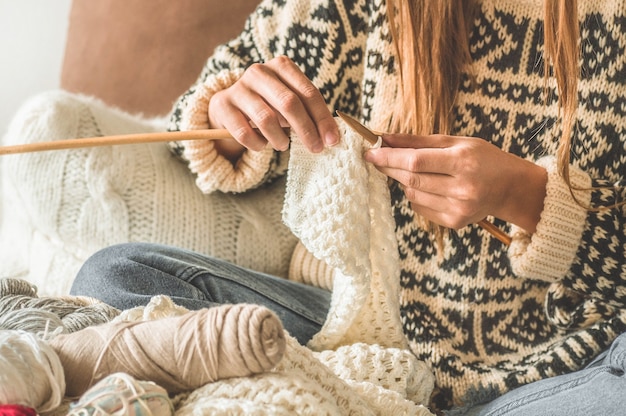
178 353
121 395
30 372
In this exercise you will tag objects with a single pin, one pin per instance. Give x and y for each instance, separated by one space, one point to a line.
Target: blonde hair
431 38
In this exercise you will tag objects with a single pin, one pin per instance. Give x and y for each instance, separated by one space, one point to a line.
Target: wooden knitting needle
170 136
208 134
495 231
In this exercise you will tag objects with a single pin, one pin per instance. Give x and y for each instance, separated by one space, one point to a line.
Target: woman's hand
271 96
455 181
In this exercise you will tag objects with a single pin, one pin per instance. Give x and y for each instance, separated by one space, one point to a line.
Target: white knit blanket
339 207
336 204
358 379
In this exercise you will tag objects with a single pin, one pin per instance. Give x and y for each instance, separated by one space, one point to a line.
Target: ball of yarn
11 286
31 374
178 353
36 321
120 394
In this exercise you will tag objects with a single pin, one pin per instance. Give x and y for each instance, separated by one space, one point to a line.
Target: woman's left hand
455 181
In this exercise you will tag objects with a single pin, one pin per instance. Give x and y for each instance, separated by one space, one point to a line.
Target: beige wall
32 42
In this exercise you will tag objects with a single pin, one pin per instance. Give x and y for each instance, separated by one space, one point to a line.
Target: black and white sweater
487 318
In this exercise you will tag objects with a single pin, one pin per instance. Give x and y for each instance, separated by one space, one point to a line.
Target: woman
493 116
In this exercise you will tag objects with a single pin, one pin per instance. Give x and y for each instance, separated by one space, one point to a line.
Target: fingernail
331 139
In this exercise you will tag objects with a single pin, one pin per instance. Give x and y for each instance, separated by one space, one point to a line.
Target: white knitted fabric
339 207
357 379
59 207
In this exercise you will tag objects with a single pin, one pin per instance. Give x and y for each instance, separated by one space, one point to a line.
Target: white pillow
59 207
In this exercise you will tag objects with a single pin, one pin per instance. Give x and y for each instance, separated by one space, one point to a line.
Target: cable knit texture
485 318
60 207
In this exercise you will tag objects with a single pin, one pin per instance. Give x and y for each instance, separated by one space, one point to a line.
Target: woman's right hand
272 96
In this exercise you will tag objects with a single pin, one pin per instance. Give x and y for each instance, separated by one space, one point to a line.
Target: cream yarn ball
31 374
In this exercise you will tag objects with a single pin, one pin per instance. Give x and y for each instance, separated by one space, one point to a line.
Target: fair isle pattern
485 330
330 31
482 328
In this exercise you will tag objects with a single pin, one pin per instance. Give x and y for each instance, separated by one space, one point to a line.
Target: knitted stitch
249 169
357 379
60 207
486 319
339 208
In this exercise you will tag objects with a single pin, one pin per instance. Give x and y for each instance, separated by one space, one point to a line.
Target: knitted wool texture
339 207
355 379
60 207
487 318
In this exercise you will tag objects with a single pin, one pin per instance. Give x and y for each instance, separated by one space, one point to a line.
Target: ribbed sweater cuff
549 252
214 172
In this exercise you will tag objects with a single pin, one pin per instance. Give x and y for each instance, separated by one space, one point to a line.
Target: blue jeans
598 389
129 275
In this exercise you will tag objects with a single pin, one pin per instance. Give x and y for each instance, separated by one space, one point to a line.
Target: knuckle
413 162
288 101
309 91
414 181
283 60
255 70
264 118
282 63
247 137
219 98
464 160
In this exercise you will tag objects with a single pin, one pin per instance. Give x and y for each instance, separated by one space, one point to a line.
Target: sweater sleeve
325 39
213 171
548 254
580 248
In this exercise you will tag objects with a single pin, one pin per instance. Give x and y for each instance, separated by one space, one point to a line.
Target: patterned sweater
486 317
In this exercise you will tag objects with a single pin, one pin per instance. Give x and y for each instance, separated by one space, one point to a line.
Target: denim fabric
129 275
599 389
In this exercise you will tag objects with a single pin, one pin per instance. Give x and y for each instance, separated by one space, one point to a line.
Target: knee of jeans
106 263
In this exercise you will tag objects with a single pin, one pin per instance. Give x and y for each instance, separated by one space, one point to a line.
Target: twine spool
178 353
31 374
121 395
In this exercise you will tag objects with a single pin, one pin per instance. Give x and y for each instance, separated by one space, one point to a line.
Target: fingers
302 105
424 160
249 110
440 175
424 182
271 96
440 217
